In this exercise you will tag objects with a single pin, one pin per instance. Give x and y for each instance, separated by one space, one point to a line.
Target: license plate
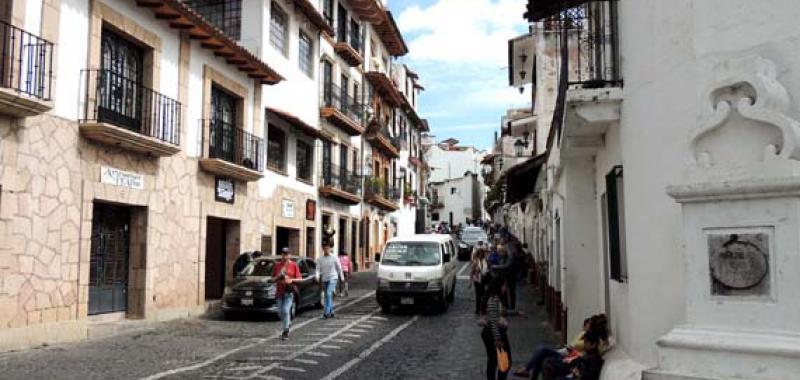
407 300
247 301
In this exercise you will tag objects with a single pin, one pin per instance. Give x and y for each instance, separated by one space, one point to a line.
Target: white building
455 184
456 200
667 201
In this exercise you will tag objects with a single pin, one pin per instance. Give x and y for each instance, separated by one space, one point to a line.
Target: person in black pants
506 268
495 331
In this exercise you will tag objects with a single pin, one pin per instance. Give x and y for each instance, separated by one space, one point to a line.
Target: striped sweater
493 316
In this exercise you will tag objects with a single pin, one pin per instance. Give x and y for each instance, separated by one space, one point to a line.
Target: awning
521 178
181 16
313 15
296 123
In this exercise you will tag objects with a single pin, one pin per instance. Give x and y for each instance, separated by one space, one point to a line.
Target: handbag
503 364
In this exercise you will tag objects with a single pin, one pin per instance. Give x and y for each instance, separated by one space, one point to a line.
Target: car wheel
386 308
318 304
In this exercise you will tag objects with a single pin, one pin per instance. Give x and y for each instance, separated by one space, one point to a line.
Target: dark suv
253 291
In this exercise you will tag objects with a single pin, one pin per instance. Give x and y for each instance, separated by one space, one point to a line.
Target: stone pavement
362 343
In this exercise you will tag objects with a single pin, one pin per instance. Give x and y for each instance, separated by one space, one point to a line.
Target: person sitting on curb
597 324
587 366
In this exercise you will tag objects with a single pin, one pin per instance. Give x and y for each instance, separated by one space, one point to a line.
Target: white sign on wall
287 209
117 177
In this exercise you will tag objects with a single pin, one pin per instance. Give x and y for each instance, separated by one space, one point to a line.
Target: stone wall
50 178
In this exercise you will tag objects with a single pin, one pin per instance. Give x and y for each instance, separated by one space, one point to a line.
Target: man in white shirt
329 271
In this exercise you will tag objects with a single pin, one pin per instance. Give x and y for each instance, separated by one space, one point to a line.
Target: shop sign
287 208
225 190
311 209
117 177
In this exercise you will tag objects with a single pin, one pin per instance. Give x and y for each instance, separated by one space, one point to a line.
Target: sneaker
324 316
285 335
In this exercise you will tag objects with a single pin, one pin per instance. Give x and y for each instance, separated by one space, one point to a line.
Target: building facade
455 185
137 164
659 179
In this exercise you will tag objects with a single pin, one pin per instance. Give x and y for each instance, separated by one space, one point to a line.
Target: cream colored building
137 164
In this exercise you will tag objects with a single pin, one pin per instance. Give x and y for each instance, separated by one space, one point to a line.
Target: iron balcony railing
352 36
335 97
114 99
382 189
589 49
26 62
592 51
226 15
340 178
231 143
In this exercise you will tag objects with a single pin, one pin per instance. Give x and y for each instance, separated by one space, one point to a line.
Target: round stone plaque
739 264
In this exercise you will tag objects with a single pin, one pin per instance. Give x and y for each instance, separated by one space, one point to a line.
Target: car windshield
411 254
473 236
259 268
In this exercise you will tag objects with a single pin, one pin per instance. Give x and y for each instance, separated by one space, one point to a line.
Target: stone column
741 217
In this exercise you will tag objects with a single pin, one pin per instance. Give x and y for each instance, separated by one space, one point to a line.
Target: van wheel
452 295
443 304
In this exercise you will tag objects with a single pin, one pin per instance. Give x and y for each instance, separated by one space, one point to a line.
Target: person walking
479 268
347 268
284 273
495 330
507 270
329 271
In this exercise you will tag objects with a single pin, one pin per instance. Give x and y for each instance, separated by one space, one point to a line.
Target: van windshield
411 254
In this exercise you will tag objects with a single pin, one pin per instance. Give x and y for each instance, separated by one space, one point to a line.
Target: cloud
463 31
459 48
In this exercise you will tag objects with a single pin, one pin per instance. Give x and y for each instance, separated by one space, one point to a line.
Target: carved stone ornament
739 264
747 123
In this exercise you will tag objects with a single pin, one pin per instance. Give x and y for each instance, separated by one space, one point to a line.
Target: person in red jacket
283 274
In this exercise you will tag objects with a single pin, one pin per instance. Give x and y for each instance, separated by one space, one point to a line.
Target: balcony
388 144
123 113
26 72
349 46
232 152
379 194
590 95
341 110
385 88
340 184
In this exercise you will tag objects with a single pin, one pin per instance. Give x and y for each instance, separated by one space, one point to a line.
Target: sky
459 49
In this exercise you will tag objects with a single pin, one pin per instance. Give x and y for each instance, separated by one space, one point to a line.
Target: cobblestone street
361 343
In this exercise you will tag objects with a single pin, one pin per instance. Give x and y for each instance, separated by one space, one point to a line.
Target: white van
417 270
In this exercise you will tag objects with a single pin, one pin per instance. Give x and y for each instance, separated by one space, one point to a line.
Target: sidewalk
528 331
